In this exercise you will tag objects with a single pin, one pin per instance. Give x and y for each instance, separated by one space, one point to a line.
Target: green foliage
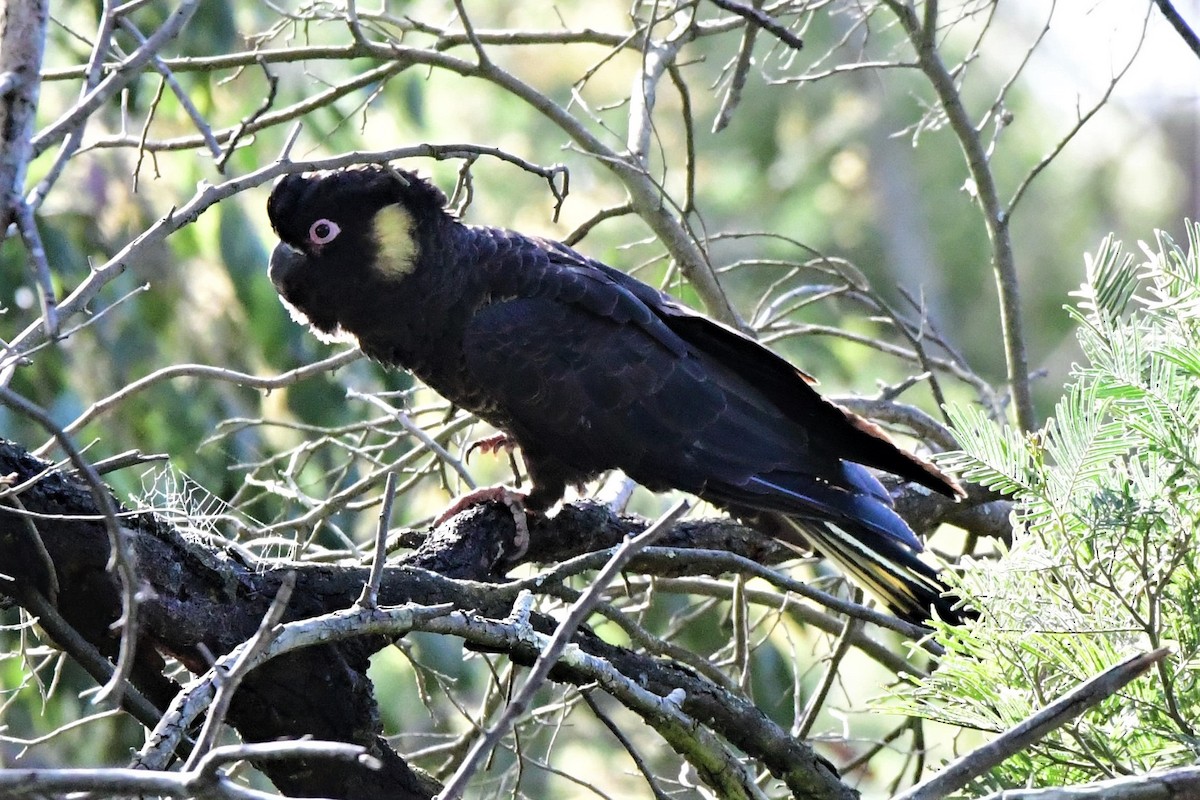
1104 559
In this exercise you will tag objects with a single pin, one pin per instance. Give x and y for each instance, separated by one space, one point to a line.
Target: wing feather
590 370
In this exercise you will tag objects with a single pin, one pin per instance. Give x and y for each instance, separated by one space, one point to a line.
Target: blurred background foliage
829 153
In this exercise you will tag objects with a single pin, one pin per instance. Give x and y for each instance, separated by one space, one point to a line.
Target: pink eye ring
323 231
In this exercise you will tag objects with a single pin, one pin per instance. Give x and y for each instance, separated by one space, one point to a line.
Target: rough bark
22 41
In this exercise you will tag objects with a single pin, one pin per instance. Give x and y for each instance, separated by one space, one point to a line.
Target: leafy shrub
1103 561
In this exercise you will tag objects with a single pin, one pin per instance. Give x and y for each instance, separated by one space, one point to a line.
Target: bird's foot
491 444
513 500
494 444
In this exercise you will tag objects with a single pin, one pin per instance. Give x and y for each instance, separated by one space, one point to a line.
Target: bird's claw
494 444
491 444
513 500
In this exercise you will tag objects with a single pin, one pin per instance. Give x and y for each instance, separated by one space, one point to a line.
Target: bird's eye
323 231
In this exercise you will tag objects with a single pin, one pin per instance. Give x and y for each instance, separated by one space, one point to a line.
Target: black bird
587 369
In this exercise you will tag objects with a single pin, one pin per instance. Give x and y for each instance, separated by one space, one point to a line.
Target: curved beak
285 259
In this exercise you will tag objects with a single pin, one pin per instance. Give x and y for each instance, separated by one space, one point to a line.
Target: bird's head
347 235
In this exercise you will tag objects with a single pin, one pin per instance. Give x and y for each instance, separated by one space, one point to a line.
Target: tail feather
811 498
891 572
848 517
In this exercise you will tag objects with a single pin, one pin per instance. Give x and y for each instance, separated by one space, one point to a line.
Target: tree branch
1180 25
1059 713
995 217
195 596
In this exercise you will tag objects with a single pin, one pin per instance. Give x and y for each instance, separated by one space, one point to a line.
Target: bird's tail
885 568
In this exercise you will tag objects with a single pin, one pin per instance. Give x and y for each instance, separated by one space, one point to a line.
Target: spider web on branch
195 511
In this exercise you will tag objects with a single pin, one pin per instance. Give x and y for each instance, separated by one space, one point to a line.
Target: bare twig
817 699
119 557
115 399
418 433
654 558
712 758
586 226
260 119
185 100
755 16
86 655
129 458
657 56
129 69
250 120
802 612
737 79
74 137
230 678
995 216
469 30
39 265
338 626
1080 121
619 735
370 594
562 635
925 427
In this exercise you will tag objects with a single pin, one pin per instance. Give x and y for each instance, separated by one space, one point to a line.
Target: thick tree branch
195 596
206 780
1180 25
1172 784
22 41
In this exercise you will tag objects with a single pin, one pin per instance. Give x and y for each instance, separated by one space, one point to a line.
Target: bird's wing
591 370
830 426
591 390
854 438
587 375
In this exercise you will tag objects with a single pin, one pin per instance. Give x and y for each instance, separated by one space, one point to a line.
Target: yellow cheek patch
398 251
